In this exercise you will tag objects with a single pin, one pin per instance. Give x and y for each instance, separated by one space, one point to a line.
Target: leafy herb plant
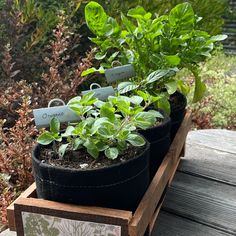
152 43
109 127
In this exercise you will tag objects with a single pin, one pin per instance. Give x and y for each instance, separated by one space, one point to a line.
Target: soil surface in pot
82 160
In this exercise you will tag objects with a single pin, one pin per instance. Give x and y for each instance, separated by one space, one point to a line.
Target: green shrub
217 110
211 10
27 26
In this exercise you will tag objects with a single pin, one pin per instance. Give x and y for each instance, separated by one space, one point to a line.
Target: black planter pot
159 139
120 186
178 103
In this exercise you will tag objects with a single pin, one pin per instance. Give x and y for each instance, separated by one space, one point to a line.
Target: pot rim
45 165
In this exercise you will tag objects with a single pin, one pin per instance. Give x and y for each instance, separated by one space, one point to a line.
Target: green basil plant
157 46
108 127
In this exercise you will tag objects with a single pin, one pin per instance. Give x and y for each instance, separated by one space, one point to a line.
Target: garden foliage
44 50
155 45
210 10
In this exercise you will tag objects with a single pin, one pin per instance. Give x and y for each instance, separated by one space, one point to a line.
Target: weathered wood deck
202 198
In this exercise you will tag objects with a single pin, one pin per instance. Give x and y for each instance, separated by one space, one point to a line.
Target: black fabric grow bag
120 186
178 103
159 138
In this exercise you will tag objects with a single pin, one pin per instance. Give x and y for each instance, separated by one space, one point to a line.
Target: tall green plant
152 43
211 11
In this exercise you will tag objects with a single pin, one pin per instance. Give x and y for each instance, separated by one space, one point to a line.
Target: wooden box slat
29 192
148 204
146 213
71 212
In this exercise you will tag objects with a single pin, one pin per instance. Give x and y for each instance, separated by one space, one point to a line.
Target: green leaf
98 56
199 91
75 100
45 138
159 74
62 150
126 87
144 120
156 114
77 108
92 70
123 134
144 95
54 125
99 104
147 16
182 16
137 13
113 56
68 132
219 37
111 27
88 99
112 153
163 103
136 100
78 142
136 140
96 18
108 112
93 152
91 148
99 123
128 24
107 130
172 59
102 146
122 145
183 87
171 87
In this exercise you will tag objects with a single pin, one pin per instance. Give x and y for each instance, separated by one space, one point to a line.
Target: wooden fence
230 30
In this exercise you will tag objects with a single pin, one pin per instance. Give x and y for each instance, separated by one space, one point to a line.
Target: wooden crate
117 222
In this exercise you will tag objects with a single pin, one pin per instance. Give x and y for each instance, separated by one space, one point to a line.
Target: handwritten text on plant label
120 73
43 116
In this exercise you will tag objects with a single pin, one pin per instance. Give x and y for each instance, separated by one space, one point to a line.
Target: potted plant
155 45
100 160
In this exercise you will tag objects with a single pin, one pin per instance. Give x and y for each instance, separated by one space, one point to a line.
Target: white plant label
43 116
101 93
120 73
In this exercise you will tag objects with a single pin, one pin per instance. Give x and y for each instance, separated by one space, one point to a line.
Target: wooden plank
206 187
154 218
169 225
29 192
209 163
71 212
211 204
218 139
155 215
147 206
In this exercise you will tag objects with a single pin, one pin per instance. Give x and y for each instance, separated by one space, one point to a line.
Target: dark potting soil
82 160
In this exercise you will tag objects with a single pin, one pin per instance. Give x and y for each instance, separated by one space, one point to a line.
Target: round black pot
120 186
159 139
178 103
